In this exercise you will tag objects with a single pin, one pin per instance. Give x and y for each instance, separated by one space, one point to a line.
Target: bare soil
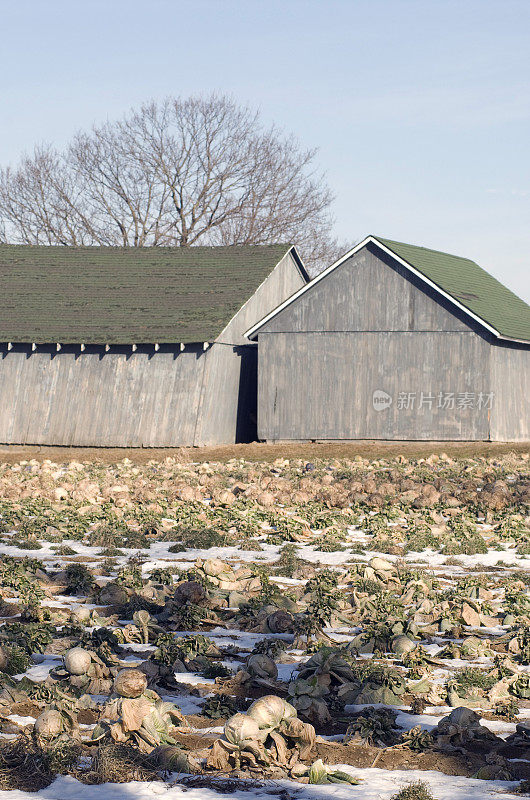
26 709
263 452
362 756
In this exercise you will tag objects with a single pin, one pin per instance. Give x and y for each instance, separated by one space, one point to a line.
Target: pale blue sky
420 108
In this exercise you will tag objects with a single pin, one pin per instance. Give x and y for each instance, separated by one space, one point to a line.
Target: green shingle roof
471 286
99 295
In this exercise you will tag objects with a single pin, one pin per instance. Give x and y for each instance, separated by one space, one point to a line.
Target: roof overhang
252 333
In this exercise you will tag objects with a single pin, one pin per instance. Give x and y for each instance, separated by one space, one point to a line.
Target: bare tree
39 202
201 170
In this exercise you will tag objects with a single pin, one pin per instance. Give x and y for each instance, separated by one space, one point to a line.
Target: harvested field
288 620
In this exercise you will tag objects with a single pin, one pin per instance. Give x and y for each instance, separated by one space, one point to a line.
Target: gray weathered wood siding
369 327
145 398
321 385
229 397
97 398
228 403
510 378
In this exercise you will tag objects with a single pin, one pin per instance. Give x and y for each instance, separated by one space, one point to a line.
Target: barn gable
369 291
373 299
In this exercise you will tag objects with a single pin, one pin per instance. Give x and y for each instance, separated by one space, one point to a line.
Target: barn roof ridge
460 280
128 295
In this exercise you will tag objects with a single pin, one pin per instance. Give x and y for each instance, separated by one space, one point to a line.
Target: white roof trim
371 239
517 341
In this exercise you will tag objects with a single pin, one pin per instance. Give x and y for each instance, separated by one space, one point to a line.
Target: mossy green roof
471 286
113 295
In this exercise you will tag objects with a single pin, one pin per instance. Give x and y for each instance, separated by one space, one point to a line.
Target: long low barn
134 347
396 342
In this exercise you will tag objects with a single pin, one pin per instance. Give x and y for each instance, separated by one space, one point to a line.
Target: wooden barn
134 346
396 342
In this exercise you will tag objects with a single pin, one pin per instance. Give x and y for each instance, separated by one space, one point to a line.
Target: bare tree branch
183 172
